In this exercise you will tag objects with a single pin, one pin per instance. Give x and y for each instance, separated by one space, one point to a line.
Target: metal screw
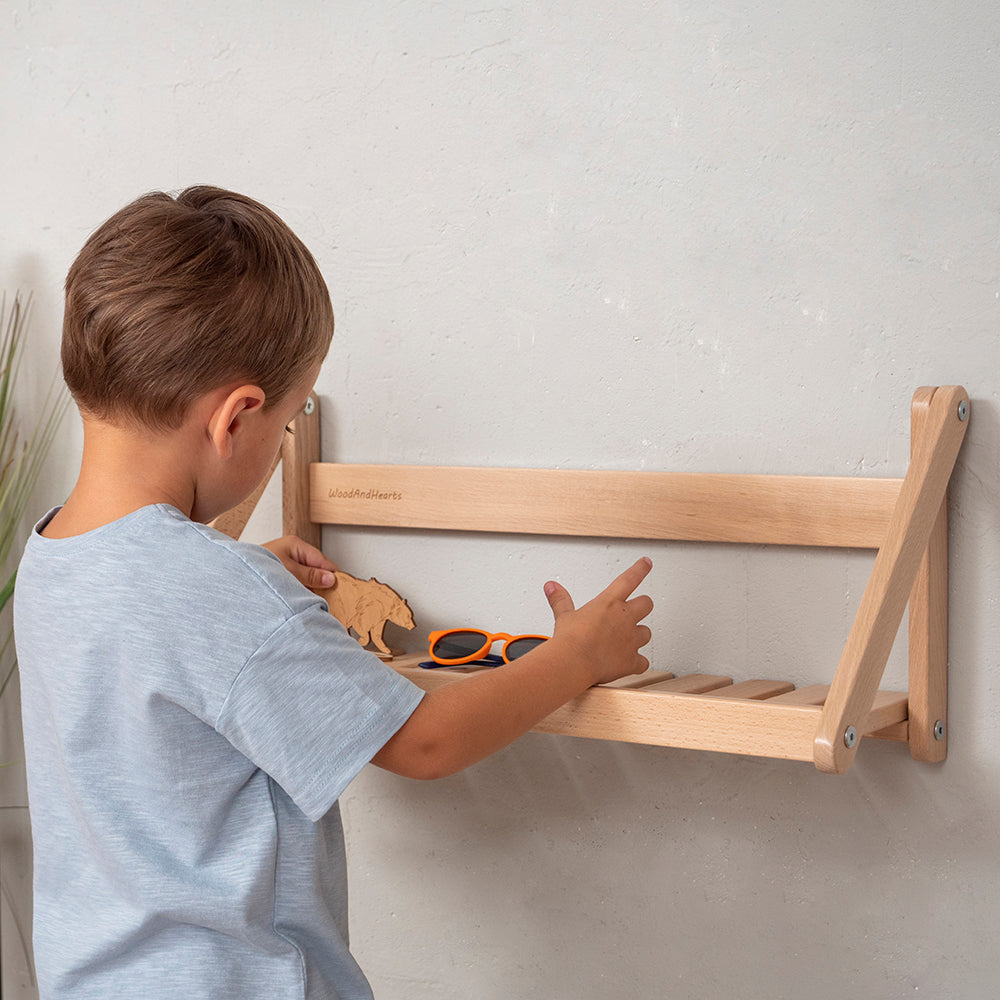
311 405
850 737
939 730
963 410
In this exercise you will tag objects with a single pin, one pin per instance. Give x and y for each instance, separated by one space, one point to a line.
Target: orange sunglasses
455 646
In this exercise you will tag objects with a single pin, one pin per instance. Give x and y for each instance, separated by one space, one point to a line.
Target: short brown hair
175 296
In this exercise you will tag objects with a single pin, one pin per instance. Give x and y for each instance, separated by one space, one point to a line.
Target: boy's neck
124 469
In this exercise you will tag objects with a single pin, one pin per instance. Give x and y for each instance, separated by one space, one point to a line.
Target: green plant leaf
21 456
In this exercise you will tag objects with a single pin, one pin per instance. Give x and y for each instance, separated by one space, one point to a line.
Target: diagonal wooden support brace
899 558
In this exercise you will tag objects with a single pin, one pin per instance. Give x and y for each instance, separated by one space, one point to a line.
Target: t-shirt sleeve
311 707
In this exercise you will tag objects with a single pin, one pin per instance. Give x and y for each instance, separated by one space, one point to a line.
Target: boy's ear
228 417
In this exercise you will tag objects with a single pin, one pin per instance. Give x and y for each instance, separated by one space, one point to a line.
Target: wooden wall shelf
904 519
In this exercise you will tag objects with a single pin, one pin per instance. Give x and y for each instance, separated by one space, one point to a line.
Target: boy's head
174 297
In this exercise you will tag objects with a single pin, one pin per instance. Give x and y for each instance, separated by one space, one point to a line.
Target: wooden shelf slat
755 690
811 694
692 683
636 681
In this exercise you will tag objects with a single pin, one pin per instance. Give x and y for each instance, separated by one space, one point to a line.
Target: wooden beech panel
711 507
689 721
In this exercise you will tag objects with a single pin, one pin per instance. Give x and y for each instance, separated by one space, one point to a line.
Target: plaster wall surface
682 236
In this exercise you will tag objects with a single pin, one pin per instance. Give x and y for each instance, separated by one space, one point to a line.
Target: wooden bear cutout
364 606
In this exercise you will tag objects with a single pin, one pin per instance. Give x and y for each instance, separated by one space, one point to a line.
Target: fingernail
550 588
327 580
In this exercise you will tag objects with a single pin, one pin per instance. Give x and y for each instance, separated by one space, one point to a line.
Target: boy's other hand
606 632
304 561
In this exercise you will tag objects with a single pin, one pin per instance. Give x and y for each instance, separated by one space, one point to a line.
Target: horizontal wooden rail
706 507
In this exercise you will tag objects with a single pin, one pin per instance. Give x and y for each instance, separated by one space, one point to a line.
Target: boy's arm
459 724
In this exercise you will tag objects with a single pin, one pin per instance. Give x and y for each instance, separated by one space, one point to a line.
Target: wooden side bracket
940 429
299 449
928 634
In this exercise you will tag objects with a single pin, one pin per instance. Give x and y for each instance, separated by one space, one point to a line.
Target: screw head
939 730
850 737
310 406
963 410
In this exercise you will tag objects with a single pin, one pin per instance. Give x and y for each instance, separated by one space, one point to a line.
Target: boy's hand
606 632
304 561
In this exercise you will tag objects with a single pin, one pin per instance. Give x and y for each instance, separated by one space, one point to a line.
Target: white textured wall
687 236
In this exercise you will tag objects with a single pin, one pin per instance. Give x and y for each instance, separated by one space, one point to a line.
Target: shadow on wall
974 600
683 866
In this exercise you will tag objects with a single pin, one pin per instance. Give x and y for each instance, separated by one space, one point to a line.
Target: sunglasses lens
459 645
521 646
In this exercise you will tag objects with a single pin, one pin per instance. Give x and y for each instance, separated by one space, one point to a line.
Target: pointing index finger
623 586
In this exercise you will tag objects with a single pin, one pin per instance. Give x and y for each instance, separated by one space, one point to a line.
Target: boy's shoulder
159 551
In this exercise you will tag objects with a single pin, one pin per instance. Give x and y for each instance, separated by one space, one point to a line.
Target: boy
191 711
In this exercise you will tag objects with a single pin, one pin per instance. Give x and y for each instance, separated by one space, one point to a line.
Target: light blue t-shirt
191 715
